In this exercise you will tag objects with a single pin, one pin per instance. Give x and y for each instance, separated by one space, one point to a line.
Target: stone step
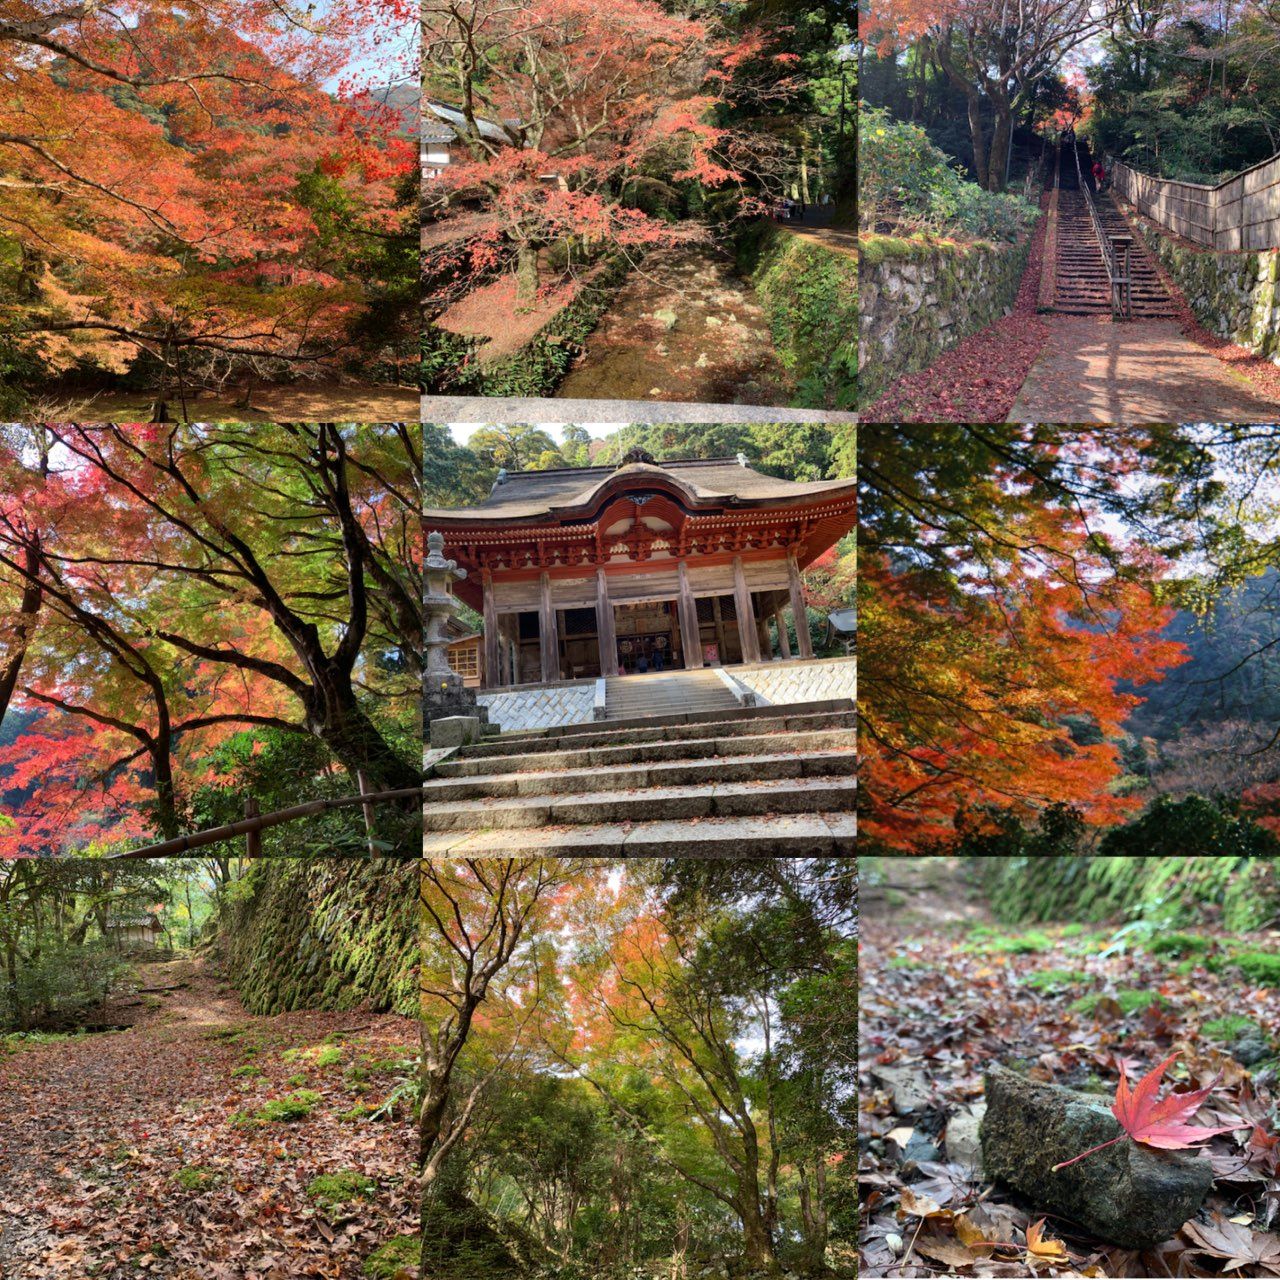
652 804
671 773
631 733
833 732
779 835
735 713
544 739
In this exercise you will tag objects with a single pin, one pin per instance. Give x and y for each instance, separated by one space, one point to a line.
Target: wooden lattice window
465 660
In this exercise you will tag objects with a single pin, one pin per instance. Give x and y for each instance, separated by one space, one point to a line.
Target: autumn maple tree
170 177
195 583
1005 627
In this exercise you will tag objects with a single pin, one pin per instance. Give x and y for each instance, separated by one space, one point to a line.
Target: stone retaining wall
541 706
777 683
918 298
1235 295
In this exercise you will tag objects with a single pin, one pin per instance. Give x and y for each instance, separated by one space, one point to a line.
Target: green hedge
810 295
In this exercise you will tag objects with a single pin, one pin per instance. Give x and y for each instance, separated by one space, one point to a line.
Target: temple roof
568 492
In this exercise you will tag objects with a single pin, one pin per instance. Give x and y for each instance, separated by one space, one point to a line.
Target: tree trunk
337 719
1001 141
526 274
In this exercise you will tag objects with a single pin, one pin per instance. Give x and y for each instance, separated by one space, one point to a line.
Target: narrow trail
126 1153
684 327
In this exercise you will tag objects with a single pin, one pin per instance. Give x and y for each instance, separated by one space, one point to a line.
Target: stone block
455 731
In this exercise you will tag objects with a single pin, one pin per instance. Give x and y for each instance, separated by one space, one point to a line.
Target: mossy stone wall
1235 295
810 295
323 933
920 297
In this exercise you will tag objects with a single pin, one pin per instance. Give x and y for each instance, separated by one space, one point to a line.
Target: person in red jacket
1099 175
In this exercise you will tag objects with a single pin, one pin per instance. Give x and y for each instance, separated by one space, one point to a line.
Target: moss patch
1229 1028
333 1189
1055 979
1261 967
196 1177
1130 1002
288 1110
395 1260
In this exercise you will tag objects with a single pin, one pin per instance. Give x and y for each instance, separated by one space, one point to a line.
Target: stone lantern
444 693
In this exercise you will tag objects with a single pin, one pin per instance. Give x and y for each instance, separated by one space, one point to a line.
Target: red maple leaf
1155 1123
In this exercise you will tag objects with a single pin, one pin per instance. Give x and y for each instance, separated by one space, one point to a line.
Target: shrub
906 179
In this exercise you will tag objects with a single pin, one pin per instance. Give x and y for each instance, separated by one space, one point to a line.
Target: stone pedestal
443 692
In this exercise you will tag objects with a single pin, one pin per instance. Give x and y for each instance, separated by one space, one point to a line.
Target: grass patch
1025 944
297 1106
1055 979
1130 1002
1178 944
395 1260
1259 966
248 1069
196 1177
333 1189
1229 1028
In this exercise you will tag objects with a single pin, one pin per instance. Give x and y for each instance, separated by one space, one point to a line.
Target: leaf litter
950 1006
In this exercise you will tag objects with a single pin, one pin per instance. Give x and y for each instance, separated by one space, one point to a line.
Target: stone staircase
1081 286
659 694
758 781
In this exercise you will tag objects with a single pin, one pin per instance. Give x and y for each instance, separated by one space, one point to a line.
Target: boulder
1130 1195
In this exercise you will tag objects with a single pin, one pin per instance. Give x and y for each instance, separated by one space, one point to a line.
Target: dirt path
128 1154
319 403
1093 370
838 239
684 327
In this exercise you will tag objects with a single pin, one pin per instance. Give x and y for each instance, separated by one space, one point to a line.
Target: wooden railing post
253 838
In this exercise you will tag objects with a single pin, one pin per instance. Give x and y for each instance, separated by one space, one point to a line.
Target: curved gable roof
565 493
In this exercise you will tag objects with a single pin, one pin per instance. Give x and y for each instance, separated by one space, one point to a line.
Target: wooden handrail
197 840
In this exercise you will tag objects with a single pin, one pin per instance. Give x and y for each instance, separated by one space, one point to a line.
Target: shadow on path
1093 370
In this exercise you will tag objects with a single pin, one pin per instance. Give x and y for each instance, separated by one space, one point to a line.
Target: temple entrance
648 637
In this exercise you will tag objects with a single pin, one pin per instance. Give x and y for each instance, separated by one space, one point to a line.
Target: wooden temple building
601 571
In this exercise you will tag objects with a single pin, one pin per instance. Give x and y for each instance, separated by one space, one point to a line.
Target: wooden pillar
506 663
748 634
690 635
606 636
719 617
548 639
762 630
803 639
784 641
492 639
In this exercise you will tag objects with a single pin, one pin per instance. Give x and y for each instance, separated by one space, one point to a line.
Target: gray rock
920 1148
455 731
964 1147
1251 1049
1129 1194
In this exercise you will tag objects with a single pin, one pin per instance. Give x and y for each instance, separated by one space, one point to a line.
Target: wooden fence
1239 215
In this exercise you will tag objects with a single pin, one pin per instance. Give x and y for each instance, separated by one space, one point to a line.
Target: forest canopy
636 1066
